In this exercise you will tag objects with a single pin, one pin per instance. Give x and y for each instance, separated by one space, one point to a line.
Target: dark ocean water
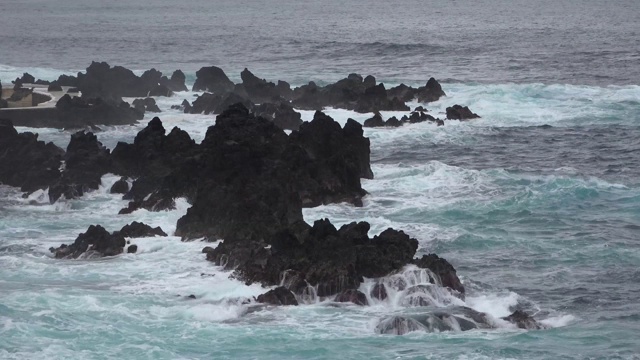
537 204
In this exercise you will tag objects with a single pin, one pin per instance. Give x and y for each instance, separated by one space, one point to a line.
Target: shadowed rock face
138 229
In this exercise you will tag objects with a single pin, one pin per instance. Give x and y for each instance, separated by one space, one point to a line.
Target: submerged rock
352 296
523 320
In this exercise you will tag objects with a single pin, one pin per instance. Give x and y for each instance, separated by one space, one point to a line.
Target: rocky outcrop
457 112
26 162
278 296
322 256
85 161
212 79
413 118
95 242
363 95
138 230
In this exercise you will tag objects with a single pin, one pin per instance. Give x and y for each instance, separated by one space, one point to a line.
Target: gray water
537 204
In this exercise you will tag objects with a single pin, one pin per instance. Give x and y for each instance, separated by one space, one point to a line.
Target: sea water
536 204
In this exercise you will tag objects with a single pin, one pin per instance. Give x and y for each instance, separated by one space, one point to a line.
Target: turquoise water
545 218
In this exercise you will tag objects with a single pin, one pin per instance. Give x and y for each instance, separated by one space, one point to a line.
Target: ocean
536 204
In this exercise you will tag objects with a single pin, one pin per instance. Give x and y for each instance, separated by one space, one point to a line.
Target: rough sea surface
537 204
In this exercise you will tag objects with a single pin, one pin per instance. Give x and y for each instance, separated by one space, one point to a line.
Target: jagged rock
443 269
132 249
250 190
278 296
353 296
138 230
457 112
96 241
523 320
330 259
86 160
259 90
26 162
212 79
120 187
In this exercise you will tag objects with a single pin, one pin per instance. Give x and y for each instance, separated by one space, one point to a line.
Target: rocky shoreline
248 182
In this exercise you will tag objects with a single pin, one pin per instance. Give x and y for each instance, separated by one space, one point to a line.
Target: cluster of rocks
98 242
102 88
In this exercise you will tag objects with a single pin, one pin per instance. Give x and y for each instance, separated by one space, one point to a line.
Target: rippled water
537 204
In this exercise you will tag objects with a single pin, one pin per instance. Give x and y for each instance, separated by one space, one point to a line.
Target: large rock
26 162
457 112
209 103
212 79
249 190
95 242
86 161
112 83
